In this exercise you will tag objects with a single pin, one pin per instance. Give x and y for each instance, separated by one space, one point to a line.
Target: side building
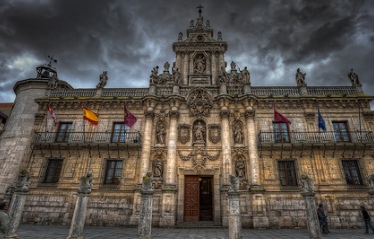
196 124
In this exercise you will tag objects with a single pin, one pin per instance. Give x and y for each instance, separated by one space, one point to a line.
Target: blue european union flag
321 121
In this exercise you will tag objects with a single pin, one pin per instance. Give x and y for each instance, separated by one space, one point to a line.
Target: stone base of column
168 215
235 224
260 222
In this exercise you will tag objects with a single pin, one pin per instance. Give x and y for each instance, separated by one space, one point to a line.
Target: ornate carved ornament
184 133
249 113
214 133
158 151
149 113
199 102
224 113
239 152
199 157
309 116
174 114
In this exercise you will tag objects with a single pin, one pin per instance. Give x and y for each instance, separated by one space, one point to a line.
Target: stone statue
233 66
207 24
176 76
192 24
219 36
147 181
300 77
53 82
166 66
157 168
180 36
103 80
353 77
199 132
85 183
223 77
153 79
160 133
23 180
307 185
240 169
245 76
234 184
238 134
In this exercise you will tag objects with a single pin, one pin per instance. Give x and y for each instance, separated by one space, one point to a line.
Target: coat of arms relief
199 102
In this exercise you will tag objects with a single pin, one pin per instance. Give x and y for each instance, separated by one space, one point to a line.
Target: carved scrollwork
224 113
184 133
199 102
214 133
249 113
149 113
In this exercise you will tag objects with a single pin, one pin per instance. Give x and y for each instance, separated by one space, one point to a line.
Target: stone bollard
79 216
235 224
307 191
145 219
18 203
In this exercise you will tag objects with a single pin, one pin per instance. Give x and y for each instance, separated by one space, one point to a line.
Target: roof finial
200 7
52 59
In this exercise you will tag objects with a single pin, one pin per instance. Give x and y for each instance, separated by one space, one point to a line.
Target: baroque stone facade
196 126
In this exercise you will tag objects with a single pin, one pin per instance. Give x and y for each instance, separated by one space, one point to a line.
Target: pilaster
226 146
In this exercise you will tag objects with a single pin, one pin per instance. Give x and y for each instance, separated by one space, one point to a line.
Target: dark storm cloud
127 38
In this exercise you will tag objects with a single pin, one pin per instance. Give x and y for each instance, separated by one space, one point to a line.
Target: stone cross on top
52 59
200 7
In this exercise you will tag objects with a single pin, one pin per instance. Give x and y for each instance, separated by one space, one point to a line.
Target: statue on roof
223 77
353 77
176 75
233 66
166 66
153 79
53 82
180 36
245 76
103 80
300 77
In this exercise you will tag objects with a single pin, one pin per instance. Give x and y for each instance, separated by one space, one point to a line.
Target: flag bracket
89 150
117 151
324 150
108 151
271 151
302 150
67 148
79 154
363 151
343 154
291 150
50 151
281 156
333 153
354 150
311 151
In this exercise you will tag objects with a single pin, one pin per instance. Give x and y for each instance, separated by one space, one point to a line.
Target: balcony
329 137
109 139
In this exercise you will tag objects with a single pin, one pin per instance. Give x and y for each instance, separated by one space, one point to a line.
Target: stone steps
198 224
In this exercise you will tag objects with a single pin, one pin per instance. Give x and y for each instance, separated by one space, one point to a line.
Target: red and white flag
280 118
129 118
52 114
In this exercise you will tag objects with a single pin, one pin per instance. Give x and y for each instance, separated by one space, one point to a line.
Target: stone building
197 123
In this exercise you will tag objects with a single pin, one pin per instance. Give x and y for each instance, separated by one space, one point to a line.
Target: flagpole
359 119
46 123
84 126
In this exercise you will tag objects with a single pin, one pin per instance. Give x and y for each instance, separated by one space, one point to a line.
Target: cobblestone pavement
61 232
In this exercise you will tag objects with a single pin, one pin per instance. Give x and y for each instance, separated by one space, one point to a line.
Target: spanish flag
90 116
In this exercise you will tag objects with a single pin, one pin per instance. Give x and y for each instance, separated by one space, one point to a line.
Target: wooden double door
198 198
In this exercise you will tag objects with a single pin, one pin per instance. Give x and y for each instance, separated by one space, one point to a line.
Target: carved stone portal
199 156
199 102
214 133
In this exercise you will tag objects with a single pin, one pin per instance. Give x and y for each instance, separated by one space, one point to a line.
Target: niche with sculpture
160 132
199 131
240 172
157 171
238 132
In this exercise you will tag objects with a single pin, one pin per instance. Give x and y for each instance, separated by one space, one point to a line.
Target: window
52 173
287 173
63 132
118 133
113 172
281 133
352 172
341 132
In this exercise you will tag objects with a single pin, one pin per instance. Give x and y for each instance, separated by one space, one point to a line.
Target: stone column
253 152
147 140
226 145
307 191
145 219
172 149
235 224
79 216
18 203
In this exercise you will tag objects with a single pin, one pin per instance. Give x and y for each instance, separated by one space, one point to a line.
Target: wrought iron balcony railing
316 137
87 137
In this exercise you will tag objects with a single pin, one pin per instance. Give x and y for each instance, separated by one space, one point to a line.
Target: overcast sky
128 38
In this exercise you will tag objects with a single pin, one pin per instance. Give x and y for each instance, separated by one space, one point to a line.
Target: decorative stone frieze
309 116
199 156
